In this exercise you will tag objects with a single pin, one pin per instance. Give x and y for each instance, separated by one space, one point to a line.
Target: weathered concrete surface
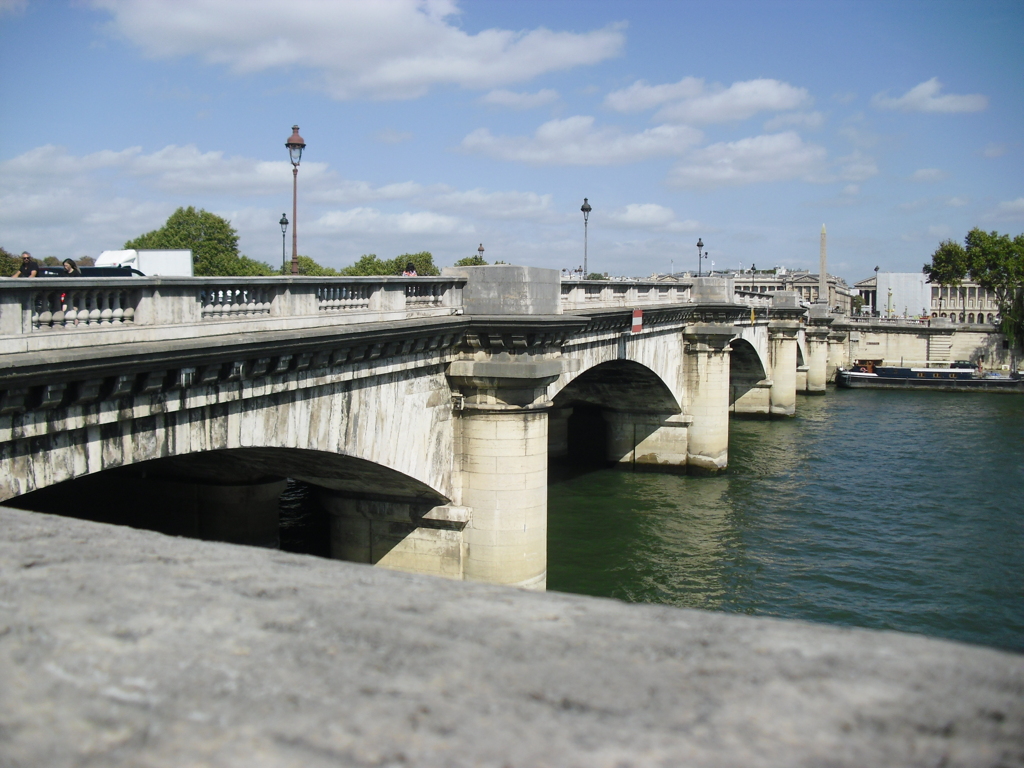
124 647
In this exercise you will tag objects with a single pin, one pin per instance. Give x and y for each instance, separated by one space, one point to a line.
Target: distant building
908 294
805 284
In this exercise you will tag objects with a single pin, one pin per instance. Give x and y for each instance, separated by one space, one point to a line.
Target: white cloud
687 101
857 167
575 141
810 120
770 157
512 100
994 150
925 98
650 216
12 6
1008 210
640 96
957 202
940 231
493 205
391 136
371 220
851 189
928 175
737 102
386 49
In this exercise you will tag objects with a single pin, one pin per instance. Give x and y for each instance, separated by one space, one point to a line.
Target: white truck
150 262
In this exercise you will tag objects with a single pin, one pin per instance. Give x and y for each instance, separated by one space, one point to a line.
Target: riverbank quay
127 647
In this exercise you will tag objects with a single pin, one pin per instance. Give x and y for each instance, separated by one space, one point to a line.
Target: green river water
881 509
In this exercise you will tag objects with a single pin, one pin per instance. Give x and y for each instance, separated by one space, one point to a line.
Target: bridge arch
749 383
618 412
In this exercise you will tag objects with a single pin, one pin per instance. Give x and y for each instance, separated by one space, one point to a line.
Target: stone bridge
424 411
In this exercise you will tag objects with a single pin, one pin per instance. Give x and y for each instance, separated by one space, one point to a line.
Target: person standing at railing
70 270
29 266
410 270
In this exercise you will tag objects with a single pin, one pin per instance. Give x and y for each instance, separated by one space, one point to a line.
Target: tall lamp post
295 146
480 251
700 254
586 217
284 228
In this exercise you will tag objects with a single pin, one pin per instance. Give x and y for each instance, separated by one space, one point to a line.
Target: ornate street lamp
284 228
295 146
480 251
586 217
700 254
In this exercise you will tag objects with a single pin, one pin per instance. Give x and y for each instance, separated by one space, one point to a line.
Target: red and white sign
638 321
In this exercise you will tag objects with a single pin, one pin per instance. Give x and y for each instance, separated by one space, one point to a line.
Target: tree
9 263
993 261
471 261
309 267
213 241
367 265
370 265
423 261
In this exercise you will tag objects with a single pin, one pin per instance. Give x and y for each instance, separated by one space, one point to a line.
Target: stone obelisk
823 270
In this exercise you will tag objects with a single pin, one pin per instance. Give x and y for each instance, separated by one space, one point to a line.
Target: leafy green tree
996 263
370 265
9 263
309 267
213 241
367 265
51 261
597 276
471 261
423 261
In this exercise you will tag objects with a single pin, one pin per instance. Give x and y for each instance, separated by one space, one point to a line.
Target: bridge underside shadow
749 388
301 500
619 413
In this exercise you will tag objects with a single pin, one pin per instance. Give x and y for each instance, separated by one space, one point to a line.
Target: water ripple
893 510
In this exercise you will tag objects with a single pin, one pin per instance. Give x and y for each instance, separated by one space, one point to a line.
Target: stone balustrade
53 313
580 295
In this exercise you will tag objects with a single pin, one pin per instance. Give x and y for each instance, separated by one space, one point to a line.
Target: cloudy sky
439 125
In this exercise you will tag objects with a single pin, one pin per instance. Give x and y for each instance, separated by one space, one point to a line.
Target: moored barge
955 378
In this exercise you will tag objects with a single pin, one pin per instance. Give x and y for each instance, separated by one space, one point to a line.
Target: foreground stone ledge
125 647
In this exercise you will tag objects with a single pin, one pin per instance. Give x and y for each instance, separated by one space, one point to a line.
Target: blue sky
440 125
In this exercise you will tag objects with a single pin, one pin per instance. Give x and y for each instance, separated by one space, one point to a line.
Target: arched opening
748 397
269 497
586 424
970 318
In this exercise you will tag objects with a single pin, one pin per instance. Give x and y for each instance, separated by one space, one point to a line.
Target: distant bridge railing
580 295
50 312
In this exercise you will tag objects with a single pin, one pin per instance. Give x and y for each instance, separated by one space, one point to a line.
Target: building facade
908 294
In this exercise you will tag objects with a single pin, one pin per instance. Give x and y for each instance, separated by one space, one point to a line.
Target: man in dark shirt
29 267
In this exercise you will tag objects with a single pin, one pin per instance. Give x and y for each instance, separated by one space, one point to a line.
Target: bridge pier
399 534
801 378
782 340
648 441
706 374
816 335
558 432
836 354
502 439
755 401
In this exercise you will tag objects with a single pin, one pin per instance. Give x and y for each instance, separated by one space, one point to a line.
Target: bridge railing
581 295
35 309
